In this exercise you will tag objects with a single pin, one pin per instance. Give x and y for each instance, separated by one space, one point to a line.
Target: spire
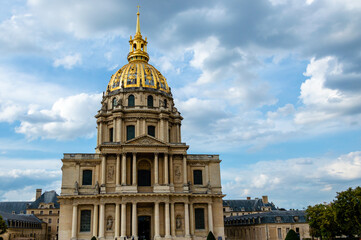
138 45
138 23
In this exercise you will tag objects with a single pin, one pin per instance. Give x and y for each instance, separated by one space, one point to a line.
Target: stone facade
141 183
23 226
46 208
273 225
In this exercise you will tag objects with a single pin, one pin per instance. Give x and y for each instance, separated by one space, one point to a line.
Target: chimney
265 199
38 193
248 198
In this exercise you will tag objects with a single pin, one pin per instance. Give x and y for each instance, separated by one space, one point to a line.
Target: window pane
199 216
150 101
111 135
85 221
131 101
87 177
151 131
130 132
144 178
197 177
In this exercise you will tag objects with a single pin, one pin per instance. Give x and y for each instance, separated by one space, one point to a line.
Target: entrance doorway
144 227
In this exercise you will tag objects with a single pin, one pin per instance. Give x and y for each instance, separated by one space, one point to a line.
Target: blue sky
273 86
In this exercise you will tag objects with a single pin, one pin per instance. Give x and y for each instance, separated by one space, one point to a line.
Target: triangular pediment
145 140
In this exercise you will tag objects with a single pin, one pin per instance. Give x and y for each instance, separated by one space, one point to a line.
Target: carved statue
97 189
109 223
177 173
76 187
178 222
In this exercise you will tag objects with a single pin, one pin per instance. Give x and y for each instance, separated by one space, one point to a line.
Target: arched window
150 101
130 132
110 134
151 131
87 177
165 103
131 101
114 103
134 47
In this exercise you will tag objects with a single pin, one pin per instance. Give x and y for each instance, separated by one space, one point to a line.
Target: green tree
210 236
347 209
93 238
3 226
292 235
321 219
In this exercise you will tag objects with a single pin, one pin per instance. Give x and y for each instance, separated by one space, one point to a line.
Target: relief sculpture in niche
177 173
110 173
109 223
178 222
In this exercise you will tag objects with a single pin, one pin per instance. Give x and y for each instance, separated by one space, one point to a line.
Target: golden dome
138 73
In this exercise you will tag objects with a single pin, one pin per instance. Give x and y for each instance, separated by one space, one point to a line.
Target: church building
140 183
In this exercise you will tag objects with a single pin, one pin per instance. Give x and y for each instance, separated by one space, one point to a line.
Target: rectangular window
199 217
32 212
49 220
197 177
41 212
87 177
85 221
130 132
279 232
111 135
297 230
50 212
151 131
49 229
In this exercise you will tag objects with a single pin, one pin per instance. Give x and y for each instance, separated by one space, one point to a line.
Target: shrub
210 236
292 235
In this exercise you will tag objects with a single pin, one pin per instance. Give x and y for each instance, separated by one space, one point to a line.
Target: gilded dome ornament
138 72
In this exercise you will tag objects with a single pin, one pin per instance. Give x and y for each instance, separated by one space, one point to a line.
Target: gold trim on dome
138 74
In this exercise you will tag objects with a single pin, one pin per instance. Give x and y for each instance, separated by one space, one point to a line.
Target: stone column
144 126
171 169
207 175
100 133
134 182
123 221
192 218
156 220
185 169
74 222
134 221
167 220
120 129
117 220
95 220
115 130
101 220
117 171
103 170
161 130
186 220
137 128
166 169
178 134
210 217
172 219
156 169
124 169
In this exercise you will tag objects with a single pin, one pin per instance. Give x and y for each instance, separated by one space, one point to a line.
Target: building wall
261 231
49 216
24 233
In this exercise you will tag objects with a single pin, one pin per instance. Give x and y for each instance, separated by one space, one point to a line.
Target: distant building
23 226
247 206
46 208
273 225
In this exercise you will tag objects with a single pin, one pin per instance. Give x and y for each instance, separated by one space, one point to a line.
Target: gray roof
19 217
46 197
276 216
9 207
252 205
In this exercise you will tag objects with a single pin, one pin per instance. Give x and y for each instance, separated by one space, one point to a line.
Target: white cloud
291 179
69 61
68 118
